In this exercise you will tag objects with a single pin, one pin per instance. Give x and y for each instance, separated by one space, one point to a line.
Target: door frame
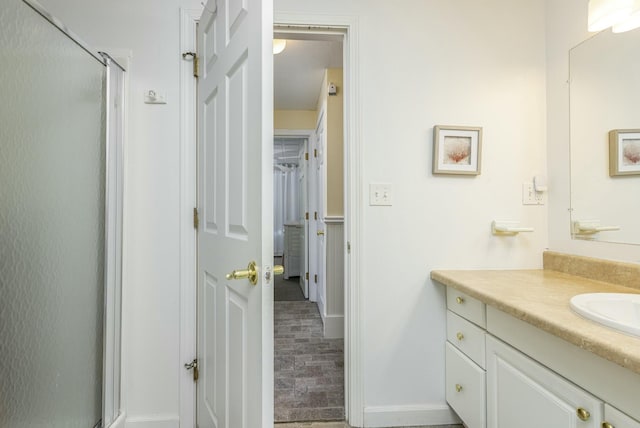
188 174
308 135
353 186
353 198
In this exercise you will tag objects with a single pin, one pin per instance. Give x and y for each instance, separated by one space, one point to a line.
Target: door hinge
306 156
193 365
194 60
306 276
196 218
315 153
306 215
315 215
315 278
348 247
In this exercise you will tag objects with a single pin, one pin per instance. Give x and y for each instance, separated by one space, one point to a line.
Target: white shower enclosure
60 225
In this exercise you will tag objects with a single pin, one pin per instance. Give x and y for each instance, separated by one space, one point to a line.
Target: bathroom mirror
604 83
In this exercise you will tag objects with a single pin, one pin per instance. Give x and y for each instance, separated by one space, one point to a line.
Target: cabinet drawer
467 337
617 419
465 388
467 307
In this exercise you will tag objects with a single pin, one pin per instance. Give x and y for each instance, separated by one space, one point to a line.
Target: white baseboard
393 416
334 327
120 421
154 421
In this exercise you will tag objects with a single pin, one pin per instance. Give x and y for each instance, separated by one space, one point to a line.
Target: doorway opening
309 368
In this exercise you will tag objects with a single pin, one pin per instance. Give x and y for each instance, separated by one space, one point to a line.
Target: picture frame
457 150
624 152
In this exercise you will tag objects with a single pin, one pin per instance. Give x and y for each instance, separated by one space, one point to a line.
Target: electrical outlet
531 197
380 194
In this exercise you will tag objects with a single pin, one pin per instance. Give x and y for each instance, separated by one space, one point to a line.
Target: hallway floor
308 369
345 425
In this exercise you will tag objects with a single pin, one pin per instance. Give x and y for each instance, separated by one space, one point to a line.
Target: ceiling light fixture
631 22
622 15
279 45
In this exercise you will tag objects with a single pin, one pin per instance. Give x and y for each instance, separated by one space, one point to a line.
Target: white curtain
286 195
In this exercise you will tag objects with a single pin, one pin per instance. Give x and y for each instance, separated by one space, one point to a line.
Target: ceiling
299 69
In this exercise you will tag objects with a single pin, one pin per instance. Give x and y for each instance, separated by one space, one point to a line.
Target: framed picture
624 152
457 150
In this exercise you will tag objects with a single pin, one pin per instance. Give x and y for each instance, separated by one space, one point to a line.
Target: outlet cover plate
531 197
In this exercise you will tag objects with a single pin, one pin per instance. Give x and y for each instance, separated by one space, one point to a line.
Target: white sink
616 310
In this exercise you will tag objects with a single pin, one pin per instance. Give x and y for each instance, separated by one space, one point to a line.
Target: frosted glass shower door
52 233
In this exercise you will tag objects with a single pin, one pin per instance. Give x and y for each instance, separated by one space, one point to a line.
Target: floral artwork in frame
624 152
457 150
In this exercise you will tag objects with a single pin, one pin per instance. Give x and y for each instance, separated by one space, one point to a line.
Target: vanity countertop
541 298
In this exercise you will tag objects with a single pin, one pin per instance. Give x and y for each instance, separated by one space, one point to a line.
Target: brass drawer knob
460 336
607 425
460 300
583 414
458 387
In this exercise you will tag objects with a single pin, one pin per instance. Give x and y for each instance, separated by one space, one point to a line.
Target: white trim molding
393 416
187 418
154 421
354 337
334 219
120 422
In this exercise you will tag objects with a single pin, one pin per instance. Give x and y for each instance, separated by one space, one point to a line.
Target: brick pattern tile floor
345 425
309 370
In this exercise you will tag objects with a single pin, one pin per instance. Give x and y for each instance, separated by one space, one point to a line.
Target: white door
235 202
320 224
304 209
312 238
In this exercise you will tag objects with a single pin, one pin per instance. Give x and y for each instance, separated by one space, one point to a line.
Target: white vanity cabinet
504 373
614 418
522 393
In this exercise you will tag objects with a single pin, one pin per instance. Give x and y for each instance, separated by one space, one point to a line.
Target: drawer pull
458 387
460 300
583 414
607 425
460 336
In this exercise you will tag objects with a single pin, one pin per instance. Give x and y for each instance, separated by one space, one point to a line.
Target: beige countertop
541 298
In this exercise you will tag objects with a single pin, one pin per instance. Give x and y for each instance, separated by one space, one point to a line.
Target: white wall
424 63
151 295
566 27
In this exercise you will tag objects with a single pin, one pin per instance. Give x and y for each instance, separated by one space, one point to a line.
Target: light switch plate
380 194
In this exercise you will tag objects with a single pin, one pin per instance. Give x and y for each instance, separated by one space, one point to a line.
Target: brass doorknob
460 336
458 387
607 425
460 300
278 269
250 273
320 232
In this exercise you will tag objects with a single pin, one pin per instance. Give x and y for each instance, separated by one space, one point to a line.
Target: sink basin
616 310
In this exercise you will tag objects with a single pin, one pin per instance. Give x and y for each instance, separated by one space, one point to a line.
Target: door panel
236 145
522 393
210 337
235 119
210 201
